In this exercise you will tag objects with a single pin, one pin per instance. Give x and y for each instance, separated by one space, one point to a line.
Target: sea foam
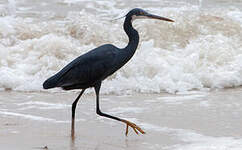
201 50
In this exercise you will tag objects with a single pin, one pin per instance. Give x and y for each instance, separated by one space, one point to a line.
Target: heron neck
133 37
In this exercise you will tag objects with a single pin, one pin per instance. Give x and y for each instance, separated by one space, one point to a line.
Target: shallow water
194 121
201 50
199 53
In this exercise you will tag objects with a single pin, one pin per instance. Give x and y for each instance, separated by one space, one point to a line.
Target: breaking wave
201 50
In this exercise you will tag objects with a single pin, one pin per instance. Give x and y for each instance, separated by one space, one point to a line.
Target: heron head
138 13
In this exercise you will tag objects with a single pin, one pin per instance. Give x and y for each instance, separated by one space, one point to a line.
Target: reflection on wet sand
190 120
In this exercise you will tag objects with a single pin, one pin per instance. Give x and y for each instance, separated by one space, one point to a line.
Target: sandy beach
196 121
200 51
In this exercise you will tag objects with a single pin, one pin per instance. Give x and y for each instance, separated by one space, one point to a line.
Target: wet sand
195 120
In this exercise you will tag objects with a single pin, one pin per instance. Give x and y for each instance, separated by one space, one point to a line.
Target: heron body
91 68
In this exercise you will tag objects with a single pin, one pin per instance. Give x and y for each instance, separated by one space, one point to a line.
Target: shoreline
199 120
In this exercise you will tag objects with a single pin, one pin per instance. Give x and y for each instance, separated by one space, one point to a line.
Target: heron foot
132 125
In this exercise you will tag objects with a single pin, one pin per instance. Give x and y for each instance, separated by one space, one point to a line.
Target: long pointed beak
159 17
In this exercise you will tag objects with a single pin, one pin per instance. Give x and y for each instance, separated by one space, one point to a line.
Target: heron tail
50 83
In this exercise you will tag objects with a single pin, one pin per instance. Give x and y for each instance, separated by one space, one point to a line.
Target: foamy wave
201 50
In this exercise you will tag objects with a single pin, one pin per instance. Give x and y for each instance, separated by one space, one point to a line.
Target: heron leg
73 113
128 123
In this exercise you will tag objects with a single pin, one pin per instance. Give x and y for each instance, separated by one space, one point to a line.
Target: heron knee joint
99 112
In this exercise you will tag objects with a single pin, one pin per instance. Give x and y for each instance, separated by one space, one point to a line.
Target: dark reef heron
91 68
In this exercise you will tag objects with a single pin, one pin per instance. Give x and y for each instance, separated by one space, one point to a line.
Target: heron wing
86 69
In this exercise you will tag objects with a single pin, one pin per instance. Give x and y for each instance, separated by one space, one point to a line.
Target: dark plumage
90 69
86 70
